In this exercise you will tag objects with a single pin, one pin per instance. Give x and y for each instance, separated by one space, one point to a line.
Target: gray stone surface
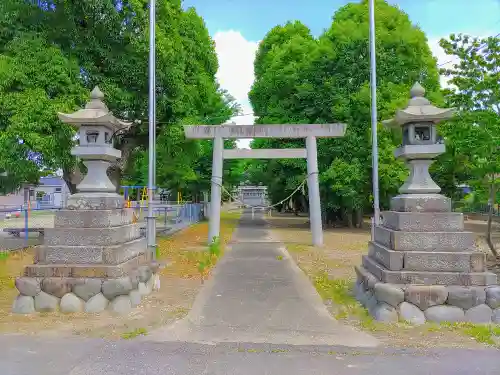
383 312
87 288
411 313
28 286
466 297
493 297
45 302
135 298
424 221
424 241
116 287
121 305
392 260
92 218
389 294
56 286
426 296
421 203
143 289
96 201
439 261
92 236
23 305
479 314
70 303
443 313
495 316
96 304
145 273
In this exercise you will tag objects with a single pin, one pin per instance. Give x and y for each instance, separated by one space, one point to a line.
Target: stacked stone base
417 304
84 295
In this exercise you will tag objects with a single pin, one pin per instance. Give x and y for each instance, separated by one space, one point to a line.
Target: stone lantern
418 122
96 129
421 264
95 257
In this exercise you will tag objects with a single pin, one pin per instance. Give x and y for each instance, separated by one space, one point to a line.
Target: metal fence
21 227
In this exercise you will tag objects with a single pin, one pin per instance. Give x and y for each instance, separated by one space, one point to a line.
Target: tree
300 79
475 92
106 43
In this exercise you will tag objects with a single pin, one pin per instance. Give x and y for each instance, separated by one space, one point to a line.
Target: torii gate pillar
308 131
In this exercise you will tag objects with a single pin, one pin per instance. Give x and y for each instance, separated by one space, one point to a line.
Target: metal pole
150 220
373 83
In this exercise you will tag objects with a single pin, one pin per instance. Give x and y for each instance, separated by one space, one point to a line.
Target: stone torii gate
308 131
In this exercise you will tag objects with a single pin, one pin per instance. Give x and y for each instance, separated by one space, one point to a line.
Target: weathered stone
121 305
493 297
23 305
28 286
144 273
421 203
479 314
424 296
56 286
96 304
92 218
478 262
116 287
135 298
70 303
92 236
134 278
371 303
444 313
143 290
392 260
45 302
411 313
383 312
424 221
150 284
389 294
495 316
366 277
466 297
437 261
424 241
87 288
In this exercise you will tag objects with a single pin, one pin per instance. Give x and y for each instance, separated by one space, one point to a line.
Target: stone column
314 200
216 189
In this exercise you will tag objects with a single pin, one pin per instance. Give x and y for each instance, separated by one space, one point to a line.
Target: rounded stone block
411 313
134 278
495 316
424 296
443 313
466 297
480 314
96 304
45 302
384 312
87 288
121 305
371 303
23 305
70 303
143 289
493 297
389 294
56 286
116 287
145 273
28 286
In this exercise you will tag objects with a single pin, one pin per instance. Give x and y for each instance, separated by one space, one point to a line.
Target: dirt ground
180 282
342 251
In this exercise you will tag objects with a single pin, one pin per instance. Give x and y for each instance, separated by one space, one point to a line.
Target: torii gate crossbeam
308 131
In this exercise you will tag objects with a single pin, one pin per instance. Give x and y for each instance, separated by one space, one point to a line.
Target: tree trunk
491 205
359 218
348 218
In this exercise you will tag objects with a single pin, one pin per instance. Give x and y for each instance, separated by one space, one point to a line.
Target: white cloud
236 75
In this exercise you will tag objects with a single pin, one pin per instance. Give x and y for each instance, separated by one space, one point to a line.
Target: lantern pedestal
95 257
421 265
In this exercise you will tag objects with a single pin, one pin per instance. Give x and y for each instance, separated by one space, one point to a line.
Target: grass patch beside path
179 281
331 270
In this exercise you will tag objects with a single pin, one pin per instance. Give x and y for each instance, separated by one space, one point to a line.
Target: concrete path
258 295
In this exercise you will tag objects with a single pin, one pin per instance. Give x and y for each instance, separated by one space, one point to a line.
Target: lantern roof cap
95 112
419 109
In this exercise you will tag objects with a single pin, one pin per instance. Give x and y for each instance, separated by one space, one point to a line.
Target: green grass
4 255
483 333
133 334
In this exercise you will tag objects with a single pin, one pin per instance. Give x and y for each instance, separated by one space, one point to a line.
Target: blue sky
238 25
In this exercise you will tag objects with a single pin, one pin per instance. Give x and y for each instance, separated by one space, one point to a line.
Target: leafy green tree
300 79
475 92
